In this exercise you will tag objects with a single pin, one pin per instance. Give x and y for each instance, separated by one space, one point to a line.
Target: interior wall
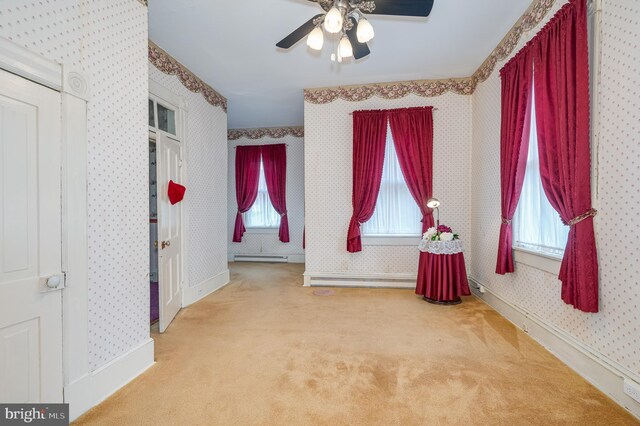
108 40
328 182
206 182
268 243
612 333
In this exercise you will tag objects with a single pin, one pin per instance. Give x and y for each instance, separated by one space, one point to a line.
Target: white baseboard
95 387
602 372
193 294
346 279
292 258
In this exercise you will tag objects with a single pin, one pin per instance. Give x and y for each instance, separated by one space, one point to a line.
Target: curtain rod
286 144
432 109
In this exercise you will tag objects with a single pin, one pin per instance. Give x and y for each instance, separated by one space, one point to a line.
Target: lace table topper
441 247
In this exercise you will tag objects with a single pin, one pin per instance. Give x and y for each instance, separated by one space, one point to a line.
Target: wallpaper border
429 88
272 132
168 65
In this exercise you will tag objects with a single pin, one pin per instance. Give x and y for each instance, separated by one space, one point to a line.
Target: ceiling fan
347 19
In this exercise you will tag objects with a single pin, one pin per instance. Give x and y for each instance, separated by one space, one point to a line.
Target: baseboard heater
260 258
356 281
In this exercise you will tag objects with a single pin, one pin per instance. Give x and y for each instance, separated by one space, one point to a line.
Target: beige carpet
267 351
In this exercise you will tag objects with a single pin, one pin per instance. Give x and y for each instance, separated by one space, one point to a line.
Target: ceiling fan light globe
316 39
345 49
365 31
333 20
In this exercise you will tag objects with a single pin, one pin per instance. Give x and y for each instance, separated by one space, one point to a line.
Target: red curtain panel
412 130
561 64
369 137
516 78
247 176
274 160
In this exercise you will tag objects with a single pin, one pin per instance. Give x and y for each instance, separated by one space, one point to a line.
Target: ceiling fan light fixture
333 20
345 50
316 39
365 31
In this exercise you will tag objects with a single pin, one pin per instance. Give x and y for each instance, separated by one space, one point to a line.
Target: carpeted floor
267 351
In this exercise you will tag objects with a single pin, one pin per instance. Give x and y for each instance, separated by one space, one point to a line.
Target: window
396 213
536 224
166 117
262 214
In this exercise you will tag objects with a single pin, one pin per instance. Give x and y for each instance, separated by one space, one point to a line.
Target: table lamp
434 203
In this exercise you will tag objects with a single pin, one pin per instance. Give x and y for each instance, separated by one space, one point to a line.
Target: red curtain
274 159
514 142
247 176
412 130
561 64
369 137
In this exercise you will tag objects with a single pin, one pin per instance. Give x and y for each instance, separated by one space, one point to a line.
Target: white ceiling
230 44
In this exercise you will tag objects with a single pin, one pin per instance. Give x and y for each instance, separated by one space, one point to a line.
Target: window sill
257 230
390 240
538 260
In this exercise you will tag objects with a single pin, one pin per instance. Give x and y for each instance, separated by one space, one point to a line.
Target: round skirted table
442 276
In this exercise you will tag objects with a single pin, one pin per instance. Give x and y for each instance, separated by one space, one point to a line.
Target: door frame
157 92
73 86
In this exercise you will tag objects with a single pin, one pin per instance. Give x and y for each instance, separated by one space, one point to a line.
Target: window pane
536 224
262 214
152 114
166 120
396 211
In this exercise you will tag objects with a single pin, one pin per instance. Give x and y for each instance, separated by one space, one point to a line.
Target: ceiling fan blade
360 50
298 34
403 7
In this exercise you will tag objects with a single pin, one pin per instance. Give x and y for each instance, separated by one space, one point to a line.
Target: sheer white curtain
262 214
396 211
536 225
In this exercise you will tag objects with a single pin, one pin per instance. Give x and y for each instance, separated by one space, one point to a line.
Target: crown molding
430 88
168 65
272 132
397 90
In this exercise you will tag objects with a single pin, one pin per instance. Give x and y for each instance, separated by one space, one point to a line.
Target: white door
169 164
30 242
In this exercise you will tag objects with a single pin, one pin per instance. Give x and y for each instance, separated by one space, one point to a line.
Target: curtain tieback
583 216
283 214
506 221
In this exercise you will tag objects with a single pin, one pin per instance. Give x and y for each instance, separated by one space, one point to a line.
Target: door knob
165 244
54 281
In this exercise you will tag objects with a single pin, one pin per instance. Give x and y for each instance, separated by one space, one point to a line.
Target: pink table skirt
442 277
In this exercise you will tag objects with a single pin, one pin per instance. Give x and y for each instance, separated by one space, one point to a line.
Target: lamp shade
333 20
365 31
344 48
433 203
316 39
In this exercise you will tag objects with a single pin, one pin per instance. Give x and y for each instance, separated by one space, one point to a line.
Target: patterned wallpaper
108 39
328 154
206 184
613 332
269 243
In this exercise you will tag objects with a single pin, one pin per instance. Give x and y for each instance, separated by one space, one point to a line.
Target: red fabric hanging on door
175 192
